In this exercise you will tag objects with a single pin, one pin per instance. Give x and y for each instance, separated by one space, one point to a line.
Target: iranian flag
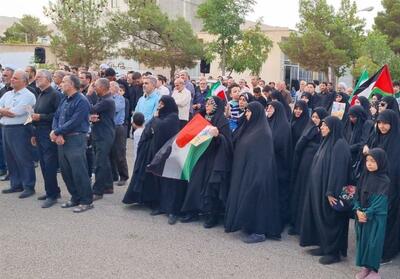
217 90
379 83
177 158
363 78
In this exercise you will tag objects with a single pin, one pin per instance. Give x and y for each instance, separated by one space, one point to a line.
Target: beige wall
20 55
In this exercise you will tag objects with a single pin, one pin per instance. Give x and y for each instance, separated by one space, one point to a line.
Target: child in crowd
234 110
371 207
138 125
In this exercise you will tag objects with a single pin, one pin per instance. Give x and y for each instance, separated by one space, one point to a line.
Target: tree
388 22
223 18
82 38
154 39
27 30
325 38
250 52
375 52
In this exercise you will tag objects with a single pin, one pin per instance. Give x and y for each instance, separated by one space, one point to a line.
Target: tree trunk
223 59
172 73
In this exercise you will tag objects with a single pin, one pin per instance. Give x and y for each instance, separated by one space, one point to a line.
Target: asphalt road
117 241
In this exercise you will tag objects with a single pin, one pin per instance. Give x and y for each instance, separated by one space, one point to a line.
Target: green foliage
325 38
223 18
83 38
388 22
154 39
27 30
250 52
375 52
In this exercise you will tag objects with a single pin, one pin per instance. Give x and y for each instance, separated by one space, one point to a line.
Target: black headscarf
299 124
307 95
391 139
276 95
364 102
391 104
169 106
376 182
353 132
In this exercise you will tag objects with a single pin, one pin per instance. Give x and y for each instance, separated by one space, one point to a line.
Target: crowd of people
277 158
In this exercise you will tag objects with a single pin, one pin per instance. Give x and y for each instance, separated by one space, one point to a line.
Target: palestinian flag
363 78
177 158
380 83
217 90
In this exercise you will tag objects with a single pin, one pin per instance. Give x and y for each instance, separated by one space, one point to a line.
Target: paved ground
116 241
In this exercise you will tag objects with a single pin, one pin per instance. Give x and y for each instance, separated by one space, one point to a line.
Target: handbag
345 199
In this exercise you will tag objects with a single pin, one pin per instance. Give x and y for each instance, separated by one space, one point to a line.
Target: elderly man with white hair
15 106
42 119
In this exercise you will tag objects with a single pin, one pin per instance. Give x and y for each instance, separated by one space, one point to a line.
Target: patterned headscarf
212 102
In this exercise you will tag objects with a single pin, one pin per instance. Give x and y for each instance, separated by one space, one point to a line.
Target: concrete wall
20 55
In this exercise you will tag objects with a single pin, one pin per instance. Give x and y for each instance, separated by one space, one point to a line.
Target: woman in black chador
282 139
330 172
144 187
209 183
304 152
253 201
387 137
300 118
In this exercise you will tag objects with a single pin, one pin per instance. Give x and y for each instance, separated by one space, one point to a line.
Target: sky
282 13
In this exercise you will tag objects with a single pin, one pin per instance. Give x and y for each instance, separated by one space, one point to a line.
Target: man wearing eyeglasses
15 110
148 103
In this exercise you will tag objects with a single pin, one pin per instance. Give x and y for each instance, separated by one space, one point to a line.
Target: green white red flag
177 158
379 83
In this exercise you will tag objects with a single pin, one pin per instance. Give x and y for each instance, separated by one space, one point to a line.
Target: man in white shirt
182 97
161 88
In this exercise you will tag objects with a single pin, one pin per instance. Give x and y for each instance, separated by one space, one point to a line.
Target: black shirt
5 89
105 127
46 105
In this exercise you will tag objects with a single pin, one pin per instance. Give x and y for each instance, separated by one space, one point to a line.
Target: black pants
103 173
119 165
72 159
48 157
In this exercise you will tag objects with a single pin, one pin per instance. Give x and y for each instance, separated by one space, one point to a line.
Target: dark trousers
90 155
72 159
48 157
18 154
119 165
3 165
103 173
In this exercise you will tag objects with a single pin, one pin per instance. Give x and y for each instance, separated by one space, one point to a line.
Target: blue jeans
73 164
48 157
18 153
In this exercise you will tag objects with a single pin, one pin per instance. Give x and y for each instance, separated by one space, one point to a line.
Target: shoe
156 212
26 194
329 259
44 197
254 238
386 261
82 208
5 177
69 204
121 183
12 190
211 221
315 252
97 197
274 237
373 275
109 191
191 217
3 172
292 231
172 219
49 202
363 273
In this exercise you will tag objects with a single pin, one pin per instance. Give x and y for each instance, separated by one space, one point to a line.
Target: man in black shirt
31 71
103 133
46 105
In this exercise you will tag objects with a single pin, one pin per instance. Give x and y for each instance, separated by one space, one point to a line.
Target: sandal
82 208
69 204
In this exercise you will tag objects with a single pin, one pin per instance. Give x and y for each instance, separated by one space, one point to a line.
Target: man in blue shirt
119 165
15 109
148 103
70 126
